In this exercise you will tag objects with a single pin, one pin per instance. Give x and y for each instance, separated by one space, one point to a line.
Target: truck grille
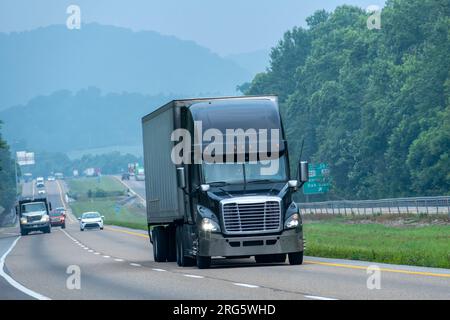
33 218
251 217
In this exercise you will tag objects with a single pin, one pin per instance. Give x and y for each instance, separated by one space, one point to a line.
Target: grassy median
419 245
107 196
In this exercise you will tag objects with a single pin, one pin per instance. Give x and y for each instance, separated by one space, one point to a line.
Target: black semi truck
218 201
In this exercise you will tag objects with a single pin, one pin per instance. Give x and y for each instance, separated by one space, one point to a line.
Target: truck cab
225 198
34 215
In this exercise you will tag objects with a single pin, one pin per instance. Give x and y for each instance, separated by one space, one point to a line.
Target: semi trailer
221 199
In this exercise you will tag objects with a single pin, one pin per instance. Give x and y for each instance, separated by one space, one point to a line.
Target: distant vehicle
91 220
58 217
139 174
89 172
27 177
41 192
40 182
132 168
125 176
51 178
34 215
59 176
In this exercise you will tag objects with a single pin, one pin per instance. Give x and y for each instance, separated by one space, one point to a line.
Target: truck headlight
23 220
293 221
44 218
209 225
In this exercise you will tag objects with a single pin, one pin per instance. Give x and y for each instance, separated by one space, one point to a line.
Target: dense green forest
7 177
374 104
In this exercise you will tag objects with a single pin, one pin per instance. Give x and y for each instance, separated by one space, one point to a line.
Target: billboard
25 158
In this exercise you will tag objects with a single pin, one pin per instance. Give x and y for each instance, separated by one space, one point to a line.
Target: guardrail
428 205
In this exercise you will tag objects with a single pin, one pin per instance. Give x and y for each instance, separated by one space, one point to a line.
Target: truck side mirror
17 210
293 184
50 206
303 173
181 179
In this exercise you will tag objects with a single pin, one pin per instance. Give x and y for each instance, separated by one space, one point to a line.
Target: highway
117 263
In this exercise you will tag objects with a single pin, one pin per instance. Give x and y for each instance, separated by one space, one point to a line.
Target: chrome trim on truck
251 215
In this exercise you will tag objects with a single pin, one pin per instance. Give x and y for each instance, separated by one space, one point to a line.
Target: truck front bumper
216 244
35 226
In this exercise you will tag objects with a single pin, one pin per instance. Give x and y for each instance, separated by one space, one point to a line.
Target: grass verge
114 214
427 246
79 188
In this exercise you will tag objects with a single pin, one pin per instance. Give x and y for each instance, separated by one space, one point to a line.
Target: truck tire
159 236
48 230
182 260
203 262
63 226
171 243
295 258
23 232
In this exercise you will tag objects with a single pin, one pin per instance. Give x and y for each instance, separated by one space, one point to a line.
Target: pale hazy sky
224 26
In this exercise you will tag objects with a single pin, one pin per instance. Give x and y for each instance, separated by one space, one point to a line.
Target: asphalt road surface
117 263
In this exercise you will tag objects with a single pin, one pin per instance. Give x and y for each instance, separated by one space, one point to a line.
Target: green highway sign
319 179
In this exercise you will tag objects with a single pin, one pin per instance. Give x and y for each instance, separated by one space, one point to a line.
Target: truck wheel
63 226
171 243
203 262
182 260
159 236
295 258
23 232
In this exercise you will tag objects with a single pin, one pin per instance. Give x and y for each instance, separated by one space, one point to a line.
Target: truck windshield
234 172
33 207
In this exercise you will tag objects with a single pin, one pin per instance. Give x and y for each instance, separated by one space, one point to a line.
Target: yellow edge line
349 266
127 232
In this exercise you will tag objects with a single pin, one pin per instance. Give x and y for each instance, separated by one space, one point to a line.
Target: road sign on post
319 179
25 158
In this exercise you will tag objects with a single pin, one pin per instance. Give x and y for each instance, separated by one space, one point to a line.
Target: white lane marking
319 298
91 251
119 260
245 285
135 265
159 270
97 253
193 276
85 248
107 257
13 282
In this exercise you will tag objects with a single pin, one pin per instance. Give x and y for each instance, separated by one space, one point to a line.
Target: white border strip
13 282
319 298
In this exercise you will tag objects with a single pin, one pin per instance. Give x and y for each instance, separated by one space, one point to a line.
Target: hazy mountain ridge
45 60
64 121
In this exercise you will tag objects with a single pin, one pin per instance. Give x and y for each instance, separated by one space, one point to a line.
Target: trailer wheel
182 260
295 258
159 236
